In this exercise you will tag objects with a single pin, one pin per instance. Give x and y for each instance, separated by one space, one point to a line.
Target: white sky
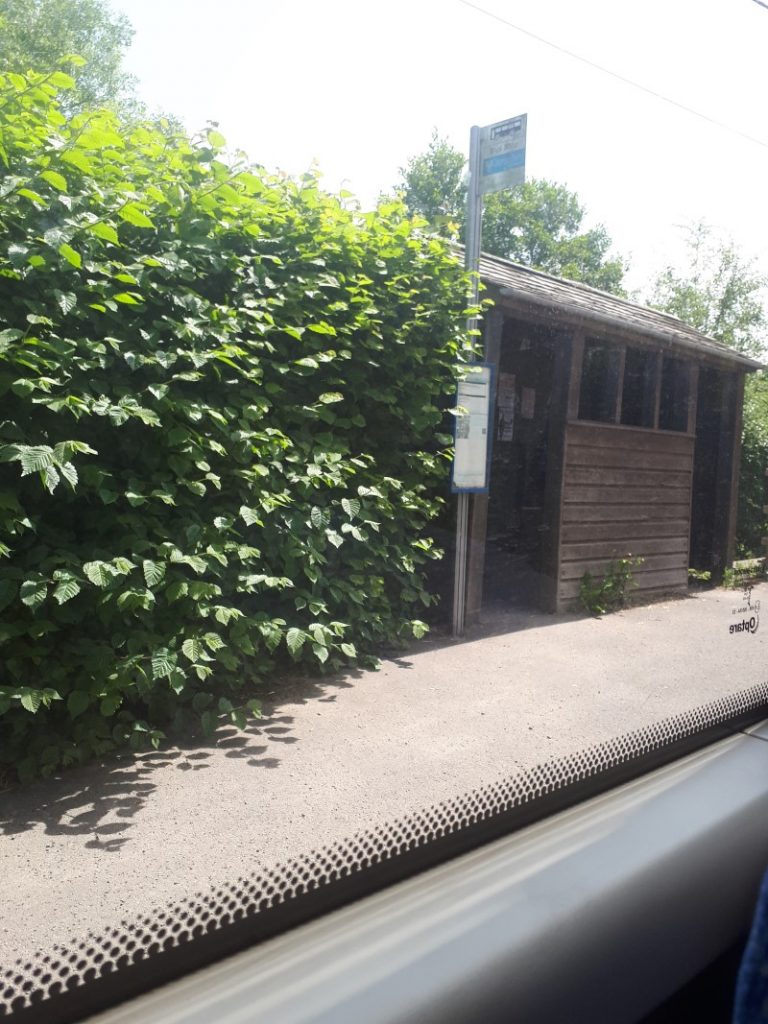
358 87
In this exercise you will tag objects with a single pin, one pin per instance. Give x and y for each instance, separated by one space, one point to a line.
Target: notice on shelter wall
528 403
473 403
505 407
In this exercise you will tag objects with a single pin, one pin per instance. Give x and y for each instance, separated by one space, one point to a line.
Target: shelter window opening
634 386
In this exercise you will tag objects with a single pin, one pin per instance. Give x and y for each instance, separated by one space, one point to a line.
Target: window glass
599 382
230 421
638 394
675 389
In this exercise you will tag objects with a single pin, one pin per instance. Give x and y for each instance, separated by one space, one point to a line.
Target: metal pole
472 263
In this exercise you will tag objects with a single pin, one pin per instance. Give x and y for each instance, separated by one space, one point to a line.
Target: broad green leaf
34 197
66 589
351 506
177 590
76 158
349 650
226 615
123 566
22 387
154 572
163 663
239 718
131 213
51 478
201 701
209 720
35 459
109 705
320 652
294 640
77 702
70 255
31 700
193 648
66 300
61 80
250 516
99 573
105 231
33 592
69 473
58 181
329 397
319 516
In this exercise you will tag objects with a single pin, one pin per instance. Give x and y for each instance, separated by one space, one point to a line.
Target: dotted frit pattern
51 975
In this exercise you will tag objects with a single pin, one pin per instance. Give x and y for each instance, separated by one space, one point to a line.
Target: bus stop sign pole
496 161
472 263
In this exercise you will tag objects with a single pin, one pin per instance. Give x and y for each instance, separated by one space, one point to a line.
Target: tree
38 34
433 185
721 294
539 224
717 291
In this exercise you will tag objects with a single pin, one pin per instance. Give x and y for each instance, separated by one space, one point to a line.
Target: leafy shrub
219 447
609 592
699 577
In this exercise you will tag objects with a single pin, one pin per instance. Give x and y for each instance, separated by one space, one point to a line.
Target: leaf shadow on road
99 801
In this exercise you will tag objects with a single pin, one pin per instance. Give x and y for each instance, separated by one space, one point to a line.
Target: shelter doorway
716 422
516 540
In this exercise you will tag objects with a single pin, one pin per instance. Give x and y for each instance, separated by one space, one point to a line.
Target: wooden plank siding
626 491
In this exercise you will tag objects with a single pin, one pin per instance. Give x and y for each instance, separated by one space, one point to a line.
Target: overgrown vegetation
219 440
744 572
608 593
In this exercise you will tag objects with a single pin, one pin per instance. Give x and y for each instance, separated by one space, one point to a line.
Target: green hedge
220 394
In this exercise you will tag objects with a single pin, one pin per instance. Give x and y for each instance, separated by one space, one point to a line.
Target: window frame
620 346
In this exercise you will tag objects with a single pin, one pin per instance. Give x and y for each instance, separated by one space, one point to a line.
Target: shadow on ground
500 618
99 801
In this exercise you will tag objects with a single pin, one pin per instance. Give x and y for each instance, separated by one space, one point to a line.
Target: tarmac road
111 841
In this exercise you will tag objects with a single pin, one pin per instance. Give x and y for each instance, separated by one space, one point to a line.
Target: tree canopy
39 34
717 291
539 224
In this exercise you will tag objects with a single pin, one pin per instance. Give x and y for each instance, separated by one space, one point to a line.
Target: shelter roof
582 302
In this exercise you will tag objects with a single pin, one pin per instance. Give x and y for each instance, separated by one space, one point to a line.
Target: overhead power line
621 78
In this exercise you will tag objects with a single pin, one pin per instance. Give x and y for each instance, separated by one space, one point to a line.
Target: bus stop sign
502 155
